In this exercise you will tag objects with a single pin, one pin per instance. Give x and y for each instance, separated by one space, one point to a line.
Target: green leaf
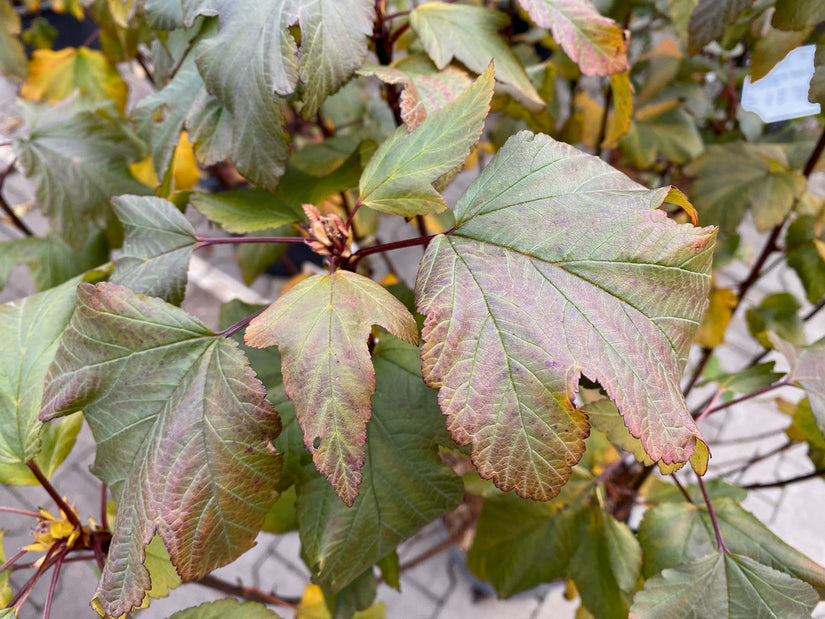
672 133
57 440
807 371
595 43
5 589
724 585
520 544
182 430
798 14
320 327
401 468
159 117
333 45
163 14
709 20
282 518
733 177
470 34
245 210
12 54
32 327
159 242
390 570
426 89
660 491
221 609
255 258
771 47
777 313
673 534
77 157
399 177
805 252
265 362
750 379
51 261
560 231
161 570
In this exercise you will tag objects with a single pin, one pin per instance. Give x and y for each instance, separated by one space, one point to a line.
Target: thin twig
747 396
748 462
681 488
246 593
438 548
18 223
26 589
785 482
104 513
61 504
720 543
233 329
708 408
11 561
375 249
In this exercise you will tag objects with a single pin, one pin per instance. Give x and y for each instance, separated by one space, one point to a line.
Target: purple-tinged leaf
320 327
183 434
560 266
709 20
594 42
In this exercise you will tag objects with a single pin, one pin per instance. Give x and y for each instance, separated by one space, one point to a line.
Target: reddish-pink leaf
594 42
321 327
560 265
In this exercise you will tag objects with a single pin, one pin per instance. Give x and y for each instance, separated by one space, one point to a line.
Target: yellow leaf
312 606
54 75
185 170
584 124
144 171
618 124
712 331
675 196
656 109
699 459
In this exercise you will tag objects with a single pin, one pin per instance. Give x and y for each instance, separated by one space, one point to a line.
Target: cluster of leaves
348 408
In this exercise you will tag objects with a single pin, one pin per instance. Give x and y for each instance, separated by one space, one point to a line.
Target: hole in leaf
316 443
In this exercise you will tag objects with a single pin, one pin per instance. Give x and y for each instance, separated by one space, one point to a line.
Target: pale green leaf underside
594 42
399 177
158 244
471 35
32 327
320 327
76 156
808 371
402 468
606 286
182 431
724 585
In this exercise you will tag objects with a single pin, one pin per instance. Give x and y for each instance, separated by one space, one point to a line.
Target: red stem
785 482
64 507
104 515
26 589
11 561
720 543
233 329
237 240
22 512
748 396
375 249
47 609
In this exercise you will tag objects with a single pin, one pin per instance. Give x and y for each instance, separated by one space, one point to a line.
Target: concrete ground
438 588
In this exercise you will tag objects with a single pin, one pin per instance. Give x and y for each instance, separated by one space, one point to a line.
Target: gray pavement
438 588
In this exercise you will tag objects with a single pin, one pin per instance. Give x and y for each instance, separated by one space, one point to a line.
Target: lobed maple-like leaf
594 42
32 327
320 327
77 157
724 585
157 247
399 178
560 265
402 468
470 34
183 434
673 534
